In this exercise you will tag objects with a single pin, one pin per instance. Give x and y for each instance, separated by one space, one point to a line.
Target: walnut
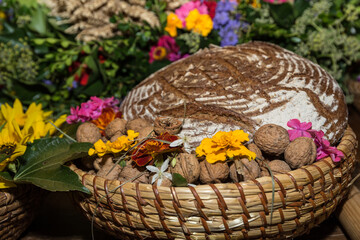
108 164
147 132
116 136
272 139
88 132
130 171
188 166
137 124
279 166
213 172
167 124
248 170
252 147
300 152
115 126
263 168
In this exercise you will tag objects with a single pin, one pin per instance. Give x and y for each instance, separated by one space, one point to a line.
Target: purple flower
229 39
225 6
47 82
299 129
221 18
358 78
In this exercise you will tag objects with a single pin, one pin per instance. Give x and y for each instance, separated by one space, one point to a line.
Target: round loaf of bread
241 87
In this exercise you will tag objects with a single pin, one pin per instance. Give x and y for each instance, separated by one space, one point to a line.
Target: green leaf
43 161
38 21
283 14
300 6
52 40
178 180
86 49
39 41
6 176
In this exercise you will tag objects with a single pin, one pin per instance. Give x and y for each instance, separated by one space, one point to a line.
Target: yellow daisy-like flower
123 143
7 113
173 22
199 23
12 143
19 128
225 145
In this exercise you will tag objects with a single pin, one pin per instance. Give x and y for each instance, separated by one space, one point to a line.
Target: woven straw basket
354 88
302 199
17 209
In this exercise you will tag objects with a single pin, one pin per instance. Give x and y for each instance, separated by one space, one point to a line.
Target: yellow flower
12 143
173 22
132 134
122 143
223 145
159 53
7 113
199 23
100 148
2 15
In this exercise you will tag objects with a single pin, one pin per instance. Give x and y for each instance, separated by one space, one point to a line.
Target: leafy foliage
42 165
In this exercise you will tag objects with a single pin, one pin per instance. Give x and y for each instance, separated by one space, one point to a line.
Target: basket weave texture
302 199
354 88
18 207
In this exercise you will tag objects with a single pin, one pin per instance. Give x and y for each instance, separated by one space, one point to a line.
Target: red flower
211 5
148 150
84 72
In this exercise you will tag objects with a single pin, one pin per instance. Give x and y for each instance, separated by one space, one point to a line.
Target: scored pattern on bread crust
241 87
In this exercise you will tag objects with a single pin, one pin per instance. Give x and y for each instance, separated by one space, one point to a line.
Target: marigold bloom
199 23
173 22
147 151
223 145
107 116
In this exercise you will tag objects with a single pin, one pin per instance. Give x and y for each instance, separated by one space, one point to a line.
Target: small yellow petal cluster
19 128
123 143
225 145
173 22
199 23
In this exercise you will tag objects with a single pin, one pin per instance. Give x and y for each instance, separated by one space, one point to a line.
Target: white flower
160 173
184 140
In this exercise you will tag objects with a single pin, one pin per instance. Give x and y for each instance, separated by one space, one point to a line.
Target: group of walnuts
270 143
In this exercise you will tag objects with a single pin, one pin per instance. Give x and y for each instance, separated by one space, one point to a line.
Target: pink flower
91 110
299 129
166 48
324 149
168 43
185 9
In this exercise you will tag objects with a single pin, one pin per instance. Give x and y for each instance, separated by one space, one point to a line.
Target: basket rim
321 168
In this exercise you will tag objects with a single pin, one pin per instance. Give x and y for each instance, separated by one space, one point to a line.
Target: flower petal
154 178
177 143
294 123
159 182
165 165
153 169
167 175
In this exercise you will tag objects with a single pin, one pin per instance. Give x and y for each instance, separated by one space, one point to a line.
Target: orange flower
107 115
148 150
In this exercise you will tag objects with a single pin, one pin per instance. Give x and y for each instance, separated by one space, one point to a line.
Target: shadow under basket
18 207
303 198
